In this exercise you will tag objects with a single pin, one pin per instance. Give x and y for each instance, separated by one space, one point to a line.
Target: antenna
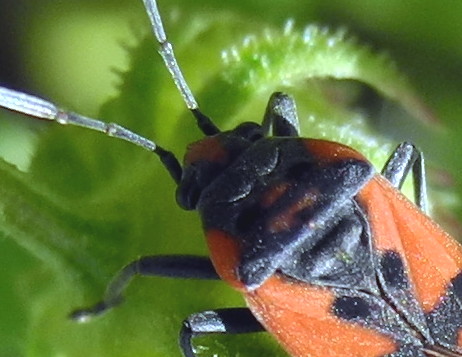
166 51
42 109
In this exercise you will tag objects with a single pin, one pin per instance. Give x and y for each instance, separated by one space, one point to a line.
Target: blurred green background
69 51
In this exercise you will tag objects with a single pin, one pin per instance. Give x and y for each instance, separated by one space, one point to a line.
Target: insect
331 258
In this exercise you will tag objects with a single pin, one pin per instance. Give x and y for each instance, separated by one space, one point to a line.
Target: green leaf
88 204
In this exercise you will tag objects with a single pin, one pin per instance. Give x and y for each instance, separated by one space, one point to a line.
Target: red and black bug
331 258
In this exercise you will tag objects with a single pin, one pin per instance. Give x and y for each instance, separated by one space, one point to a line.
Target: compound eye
249 131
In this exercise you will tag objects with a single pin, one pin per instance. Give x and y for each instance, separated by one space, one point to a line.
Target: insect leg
281 116
229 321
170 266
404 158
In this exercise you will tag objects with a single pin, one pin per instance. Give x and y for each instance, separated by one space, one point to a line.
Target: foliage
83 205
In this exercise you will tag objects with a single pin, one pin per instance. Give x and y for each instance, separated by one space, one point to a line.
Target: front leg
281 116
170 266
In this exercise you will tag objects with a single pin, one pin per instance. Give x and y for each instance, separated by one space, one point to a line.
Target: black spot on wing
445 321
372 312
398 290
351 307
393 270
457 286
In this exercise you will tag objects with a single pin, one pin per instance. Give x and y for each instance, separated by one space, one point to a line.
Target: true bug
330 257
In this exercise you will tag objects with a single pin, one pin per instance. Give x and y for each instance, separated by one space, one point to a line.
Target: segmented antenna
42 109
166 51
